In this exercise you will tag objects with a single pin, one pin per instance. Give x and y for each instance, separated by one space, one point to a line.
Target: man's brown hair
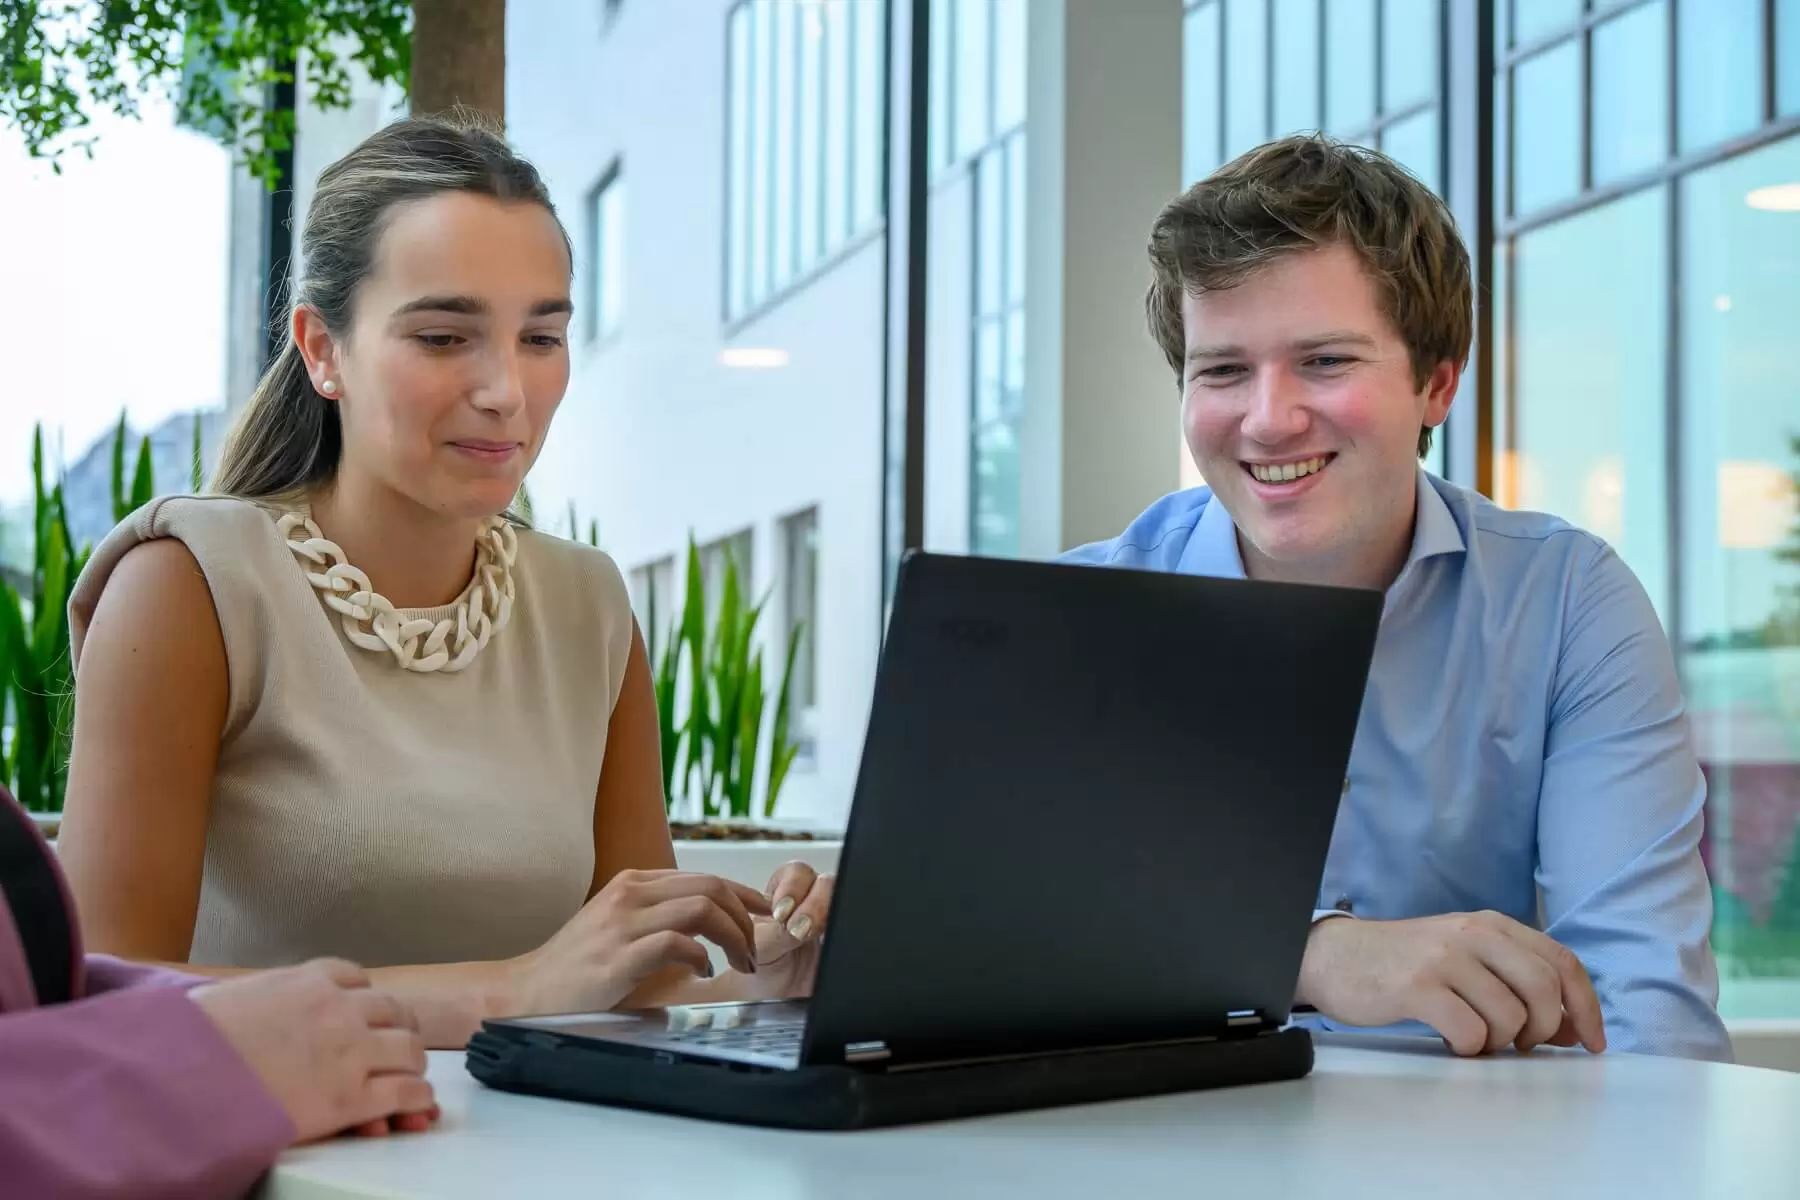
1308 192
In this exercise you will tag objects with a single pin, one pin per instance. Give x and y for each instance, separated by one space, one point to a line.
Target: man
1516 857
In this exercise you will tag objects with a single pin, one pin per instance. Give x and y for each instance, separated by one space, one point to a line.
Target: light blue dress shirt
1523 737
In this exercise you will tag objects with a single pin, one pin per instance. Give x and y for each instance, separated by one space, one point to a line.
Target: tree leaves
216 59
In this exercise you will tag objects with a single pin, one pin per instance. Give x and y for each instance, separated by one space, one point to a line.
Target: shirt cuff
108 974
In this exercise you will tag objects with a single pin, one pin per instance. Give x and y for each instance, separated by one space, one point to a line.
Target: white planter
755 863
48 824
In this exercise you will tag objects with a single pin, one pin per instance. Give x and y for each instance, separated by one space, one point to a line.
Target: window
737 549
804 141
1631 98
1362 70
1366 71
653 599
978 59
1787 58
800 594
998 388
1644 275
1546 139
1740 561
1718 70
1585 438
1534 20
606 254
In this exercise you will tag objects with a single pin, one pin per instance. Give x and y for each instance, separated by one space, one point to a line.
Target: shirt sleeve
130 1093
107 974
1620 814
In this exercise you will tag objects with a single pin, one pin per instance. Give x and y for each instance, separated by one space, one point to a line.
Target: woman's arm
150 706
151 700
631 832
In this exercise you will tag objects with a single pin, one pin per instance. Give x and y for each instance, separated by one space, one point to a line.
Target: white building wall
657 437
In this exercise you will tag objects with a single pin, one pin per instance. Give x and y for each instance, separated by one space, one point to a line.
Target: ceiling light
755 358
1777 197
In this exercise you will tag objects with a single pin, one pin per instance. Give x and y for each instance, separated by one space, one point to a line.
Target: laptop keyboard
780 1040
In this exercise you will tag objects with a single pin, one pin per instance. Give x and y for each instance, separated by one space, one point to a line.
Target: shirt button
1346 790
1343 905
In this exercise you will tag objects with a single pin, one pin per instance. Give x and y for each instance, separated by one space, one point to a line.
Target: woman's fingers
787 888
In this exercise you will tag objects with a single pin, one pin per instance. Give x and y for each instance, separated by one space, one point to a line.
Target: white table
1403 1119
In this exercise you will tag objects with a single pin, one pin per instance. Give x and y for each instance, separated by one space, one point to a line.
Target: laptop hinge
1247 1018
867 1052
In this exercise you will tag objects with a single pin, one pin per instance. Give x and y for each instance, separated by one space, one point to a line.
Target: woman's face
457 356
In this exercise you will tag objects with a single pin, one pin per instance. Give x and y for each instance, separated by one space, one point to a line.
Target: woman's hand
640 923
334 1053
790 939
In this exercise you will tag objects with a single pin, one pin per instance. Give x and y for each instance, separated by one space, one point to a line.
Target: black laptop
1087 837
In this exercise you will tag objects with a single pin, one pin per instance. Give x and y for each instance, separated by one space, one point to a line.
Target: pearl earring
329 387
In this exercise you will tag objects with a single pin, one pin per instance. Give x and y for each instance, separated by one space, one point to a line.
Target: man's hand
1482 980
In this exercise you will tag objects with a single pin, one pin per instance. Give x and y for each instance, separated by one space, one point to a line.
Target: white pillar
1099 438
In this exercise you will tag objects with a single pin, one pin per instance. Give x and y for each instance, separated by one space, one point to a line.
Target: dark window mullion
1268 69
1769 31
1672 347
1324 112
1586 132
992 83
794 254
851 33
760 14
1672 416
1219 76
823 148
1380 63
731 232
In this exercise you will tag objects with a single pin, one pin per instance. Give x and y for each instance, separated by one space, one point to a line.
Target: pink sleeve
131 1093
105 973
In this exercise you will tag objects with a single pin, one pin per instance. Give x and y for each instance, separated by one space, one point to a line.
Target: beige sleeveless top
384 815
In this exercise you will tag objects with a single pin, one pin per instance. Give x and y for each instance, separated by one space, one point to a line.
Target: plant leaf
143 480
693 633
781 751
118 471
197 472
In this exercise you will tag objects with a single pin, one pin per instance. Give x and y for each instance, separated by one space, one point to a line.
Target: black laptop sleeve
539 1062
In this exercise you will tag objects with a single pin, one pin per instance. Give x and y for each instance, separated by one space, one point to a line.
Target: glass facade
606 250
804 120
978 50
1368 71
1644 216
1649 262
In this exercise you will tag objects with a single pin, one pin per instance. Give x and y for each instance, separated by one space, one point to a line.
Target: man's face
1300 408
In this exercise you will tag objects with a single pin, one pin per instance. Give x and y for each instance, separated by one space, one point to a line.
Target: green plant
143 476
197 457
782 750
713 751
61 58
593 529
36 677
37 681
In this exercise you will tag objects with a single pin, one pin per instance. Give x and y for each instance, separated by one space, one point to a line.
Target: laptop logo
976 633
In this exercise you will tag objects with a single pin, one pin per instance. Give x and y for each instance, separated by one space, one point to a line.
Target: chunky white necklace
371 621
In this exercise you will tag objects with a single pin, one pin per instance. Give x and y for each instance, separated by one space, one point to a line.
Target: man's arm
1619 820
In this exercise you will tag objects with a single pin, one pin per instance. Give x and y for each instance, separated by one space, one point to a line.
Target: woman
120 1080
347 706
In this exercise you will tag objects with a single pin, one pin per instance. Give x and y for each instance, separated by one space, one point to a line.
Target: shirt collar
1213 548
1435 530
